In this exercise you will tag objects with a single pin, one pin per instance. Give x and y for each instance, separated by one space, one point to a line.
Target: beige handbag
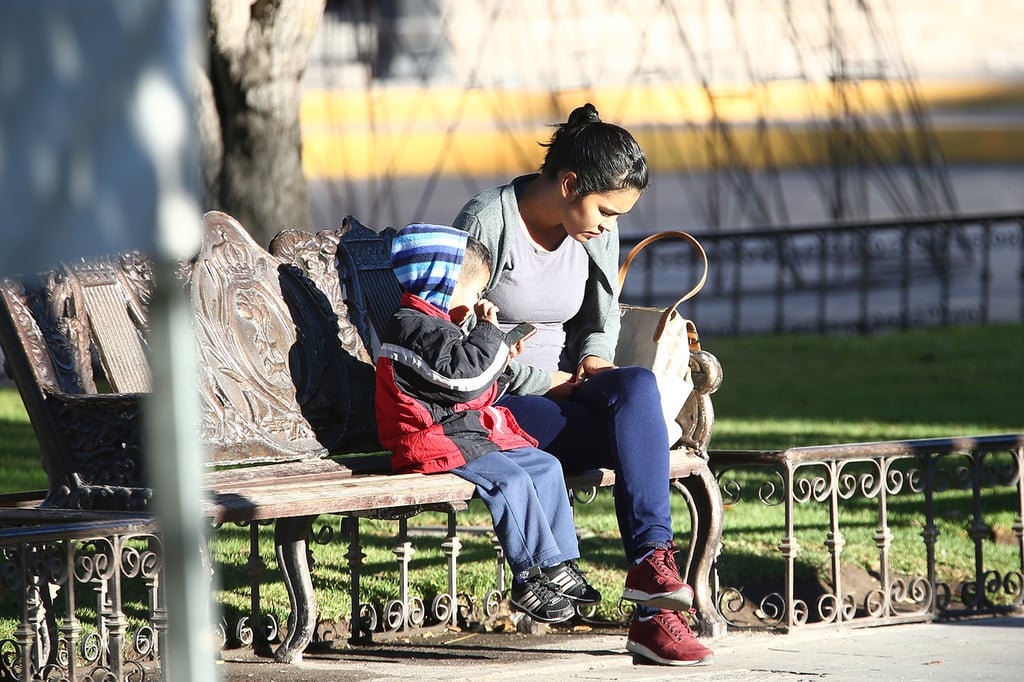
662 341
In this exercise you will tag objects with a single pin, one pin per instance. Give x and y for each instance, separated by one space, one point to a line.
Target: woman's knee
633 383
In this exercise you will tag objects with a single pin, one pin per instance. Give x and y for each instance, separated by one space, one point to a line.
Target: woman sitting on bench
555 262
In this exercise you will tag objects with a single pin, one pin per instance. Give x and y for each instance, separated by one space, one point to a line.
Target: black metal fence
969 486
843 278
86 590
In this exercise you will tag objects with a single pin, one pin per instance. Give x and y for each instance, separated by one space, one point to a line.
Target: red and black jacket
436 388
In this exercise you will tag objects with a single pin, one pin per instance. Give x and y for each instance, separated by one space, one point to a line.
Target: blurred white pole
175 462
163 117
97 155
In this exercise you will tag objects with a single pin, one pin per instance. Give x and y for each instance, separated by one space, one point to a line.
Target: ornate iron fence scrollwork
45 560
956 472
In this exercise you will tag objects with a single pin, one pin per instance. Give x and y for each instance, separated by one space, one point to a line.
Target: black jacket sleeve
436 362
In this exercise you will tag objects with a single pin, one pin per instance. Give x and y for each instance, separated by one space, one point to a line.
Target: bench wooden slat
298 489
310 498
254 475
119 344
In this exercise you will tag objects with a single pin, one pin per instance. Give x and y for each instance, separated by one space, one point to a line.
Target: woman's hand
591 366
562 384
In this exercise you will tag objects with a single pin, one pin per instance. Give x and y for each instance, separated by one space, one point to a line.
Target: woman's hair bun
604 156
583 115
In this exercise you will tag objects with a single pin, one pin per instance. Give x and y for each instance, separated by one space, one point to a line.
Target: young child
438 375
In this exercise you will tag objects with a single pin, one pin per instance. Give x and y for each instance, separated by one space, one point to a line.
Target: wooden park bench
286 388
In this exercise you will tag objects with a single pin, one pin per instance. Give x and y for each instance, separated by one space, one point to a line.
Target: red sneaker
666 638
655 582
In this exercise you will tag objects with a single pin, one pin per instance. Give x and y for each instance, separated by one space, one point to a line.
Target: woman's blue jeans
524 489
613 420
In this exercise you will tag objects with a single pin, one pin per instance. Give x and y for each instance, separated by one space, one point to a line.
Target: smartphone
519 332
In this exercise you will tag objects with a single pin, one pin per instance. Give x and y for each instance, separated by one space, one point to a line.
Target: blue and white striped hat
427 260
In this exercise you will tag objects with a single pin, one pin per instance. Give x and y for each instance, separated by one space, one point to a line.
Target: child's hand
485 310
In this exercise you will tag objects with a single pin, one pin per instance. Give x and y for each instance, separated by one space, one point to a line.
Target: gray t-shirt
544 288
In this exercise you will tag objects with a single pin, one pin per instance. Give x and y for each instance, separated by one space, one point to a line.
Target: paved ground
989 649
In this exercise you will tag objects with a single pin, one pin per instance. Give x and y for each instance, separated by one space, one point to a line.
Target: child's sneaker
655 582
665 638
569 581
539 599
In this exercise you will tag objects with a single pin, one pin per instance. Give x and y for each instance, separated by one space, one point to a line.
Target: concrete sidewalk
987 649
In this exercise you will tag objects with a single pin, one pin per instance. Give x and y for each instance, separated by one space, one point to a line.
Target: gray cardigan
493 217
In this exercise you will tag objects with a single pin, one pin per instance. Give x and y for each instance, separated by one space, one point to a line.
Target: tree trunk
258 52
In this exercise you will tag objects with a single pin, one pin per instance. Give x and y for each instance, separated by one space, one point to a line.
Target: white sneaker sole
640 650
680 600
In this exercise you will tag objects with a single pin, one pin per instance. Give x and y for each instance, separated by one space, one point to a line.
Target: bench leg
408 610
446 607
704 500
290 538
492 602
252 629
362 623
398 613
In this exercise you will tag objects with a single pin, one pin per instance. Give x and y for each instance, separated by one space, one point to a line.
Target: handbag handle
635 251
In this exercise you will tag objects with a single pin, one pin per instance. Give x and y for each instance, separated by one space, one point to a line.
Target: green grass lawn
784 391
778 392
